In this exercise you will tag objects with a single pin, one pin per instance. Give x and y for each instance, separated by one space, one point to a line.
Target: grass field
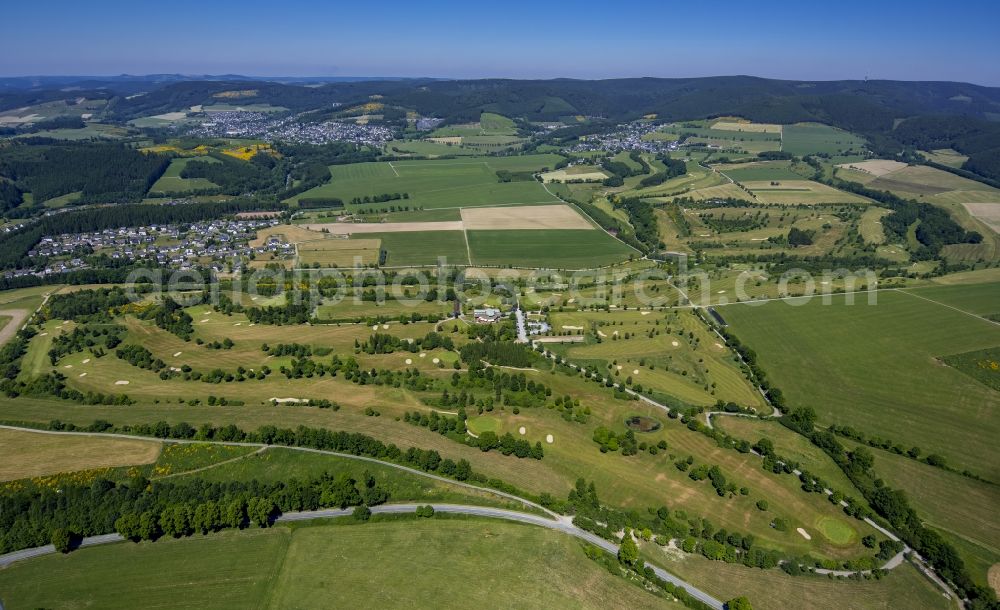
791 192
171 181
870 226
300 568
805 138
905 587
876 367
226 570
423 247
790 445
962 509
769 170
432 184
30 454
554 248
945 156
683 362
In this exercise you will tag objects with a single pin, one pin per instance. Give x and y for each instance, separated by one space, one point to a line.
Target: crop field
553 248
875 167
806 138
171 181
432 184
747 126
340 252
533 217
423 247
587 173
30 454
921 180
877 368
427 148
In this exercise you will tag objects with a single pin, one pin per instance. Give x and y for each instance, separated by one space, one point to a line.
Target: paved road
349 456
563 524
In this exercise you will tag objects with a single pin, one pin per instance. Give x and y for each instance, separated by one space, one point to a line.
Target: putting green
836 530
483 423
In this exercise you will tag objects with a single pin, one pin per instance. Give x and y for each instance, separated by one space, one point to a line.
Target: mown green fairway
333 566
555 248
876 368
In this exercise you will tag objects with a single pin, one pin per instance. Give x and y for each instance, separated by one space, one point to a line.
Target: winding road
563 525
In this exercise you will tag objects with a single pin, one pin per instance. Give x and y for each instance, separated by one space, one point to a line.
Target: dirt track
348 228
18 316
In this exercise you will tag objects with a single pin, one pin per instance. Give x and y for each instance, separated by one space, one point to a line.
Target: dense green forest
102 173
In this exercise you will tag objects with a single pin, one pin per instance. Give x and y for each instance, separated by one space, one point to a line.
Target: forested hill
954 115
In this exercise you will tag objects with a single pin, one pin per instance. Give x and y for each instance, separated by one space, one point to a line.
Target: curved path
349 456
564 525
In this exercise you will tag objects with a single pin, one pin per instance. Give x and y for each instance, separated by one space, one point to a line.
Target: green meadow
878 367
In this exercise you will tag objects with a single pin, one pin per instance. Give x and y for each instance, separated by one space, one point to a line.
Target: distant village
265 126
218 244
628 136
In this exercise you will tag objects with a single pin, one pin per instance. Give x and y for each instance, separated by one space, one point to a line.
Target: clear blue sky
804 39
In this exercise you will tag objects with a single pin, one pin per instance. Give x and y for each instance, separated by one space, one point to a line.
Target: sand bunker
566 327
409 361
674 343
549 439
83 374
86 360
177 354
121 382
521 430
804 533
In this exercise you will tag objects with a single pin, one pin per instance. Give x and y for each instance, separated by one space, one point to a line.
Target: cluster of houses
268 127
212 244
626 137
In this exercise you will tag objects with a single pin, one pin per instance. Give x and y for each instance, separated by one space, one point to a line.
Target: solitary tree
628 552
62 539
739 603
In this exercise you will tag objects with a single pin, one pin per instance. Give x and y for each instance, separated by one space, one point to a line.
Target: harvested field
577 172
876 167
347 228
924 180
294 234
747 127
340 252
524 217
33 454
989 213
